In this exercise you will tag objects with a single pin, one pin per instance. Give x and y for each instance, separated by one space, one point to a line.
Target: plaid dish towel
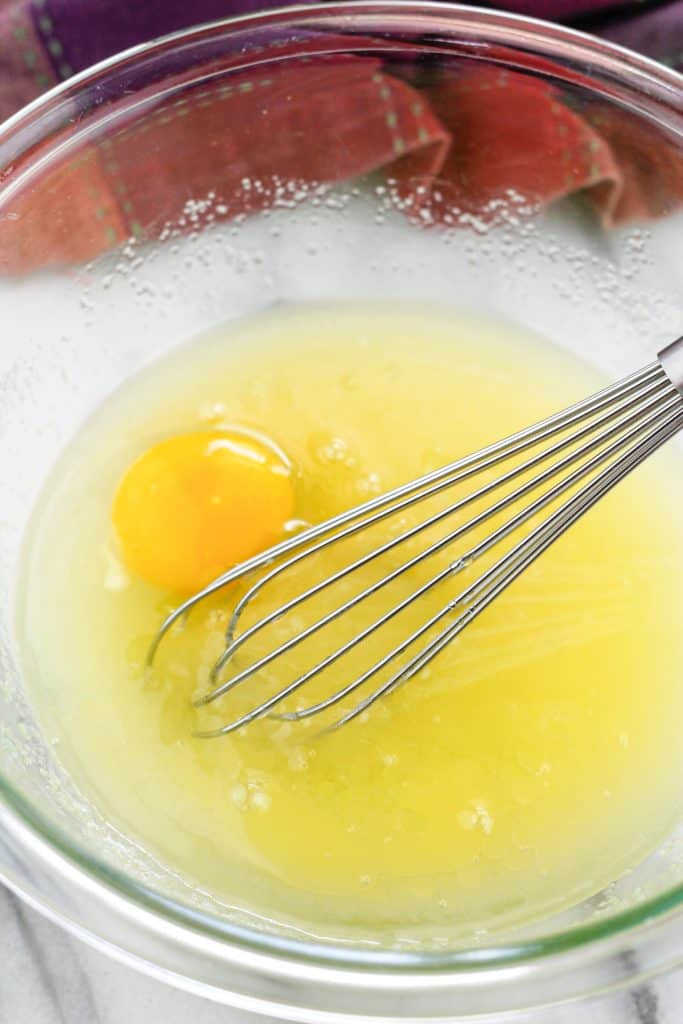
475 135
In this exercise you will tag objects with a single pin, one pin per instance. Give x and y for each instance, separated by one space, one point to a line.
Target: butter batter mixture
534 761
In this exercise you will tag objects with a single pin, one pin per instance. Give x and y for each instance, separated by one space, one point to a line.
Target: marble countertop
48 977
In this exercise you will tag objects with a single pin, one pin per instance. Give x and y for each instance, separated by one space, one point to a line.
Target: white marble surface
48 977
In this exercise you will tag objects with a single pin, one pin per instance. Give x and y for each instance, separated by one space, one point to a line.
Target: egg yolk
194 505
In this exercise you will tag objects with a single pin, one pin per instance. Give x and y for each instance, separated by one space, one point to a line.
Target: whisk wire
439 545
647 403
484 590
657 389
574 457
504 447
510 567
520 550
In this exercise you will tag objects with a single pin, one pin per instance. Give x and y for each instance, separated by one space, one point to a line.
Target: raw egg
193 505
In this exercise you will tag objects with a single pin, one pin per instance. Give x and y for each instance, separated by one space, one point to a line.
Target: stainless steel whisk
598 440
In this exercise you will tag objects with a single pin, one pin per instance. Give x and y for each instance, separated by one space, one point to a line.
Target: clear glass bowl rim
655 83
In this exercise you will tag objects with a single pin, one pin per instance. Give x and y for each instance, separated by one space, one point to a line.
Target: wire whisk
563 464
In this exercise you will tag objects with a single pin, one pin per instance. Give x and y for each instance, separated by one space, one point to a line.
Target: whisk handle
671 361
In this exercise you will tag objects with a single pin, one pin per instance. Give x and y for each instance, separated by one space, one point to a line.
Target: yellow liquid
535 760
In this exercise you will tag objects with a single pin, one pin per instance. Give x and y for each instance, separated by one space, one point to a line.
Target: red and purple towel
449 131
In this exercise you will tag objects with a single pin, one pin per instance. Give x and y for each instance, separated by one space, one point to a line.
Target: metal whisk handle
671 361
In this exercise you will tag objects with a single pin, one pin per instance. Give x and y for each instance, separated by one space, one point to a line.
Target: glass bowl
296 156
